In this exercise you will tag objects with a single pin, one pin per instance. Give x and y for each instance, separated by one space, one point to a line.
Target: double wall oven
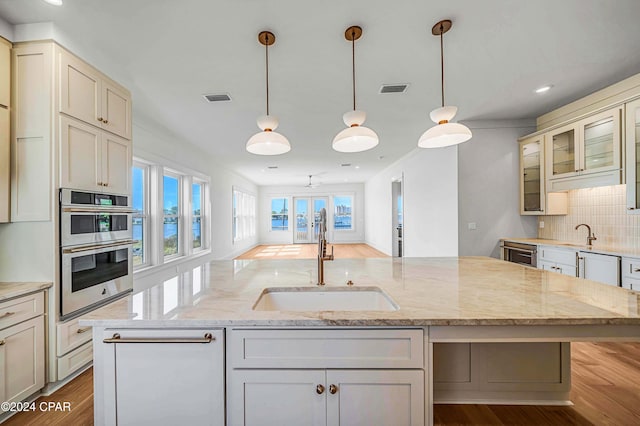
95 250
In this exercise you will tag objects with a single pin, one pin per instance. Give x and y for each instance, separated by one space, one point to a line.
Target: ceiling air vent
272 167
394 88
218 97
346 164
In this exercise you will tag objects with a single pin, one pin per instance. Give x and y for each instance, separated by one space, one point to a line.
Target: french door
307 214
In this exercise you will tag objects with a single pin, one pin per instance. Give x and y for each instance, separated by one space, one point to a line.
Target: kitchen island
468 329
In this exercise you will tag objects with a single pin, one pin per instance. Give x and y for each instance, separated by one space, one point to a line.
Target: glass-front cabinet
633 156
563 151
532 176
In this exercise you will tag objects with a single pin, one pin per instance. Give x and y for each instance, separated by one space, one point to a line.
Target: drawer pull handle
83 330
2 342
319 389
333 389
7 314
636 270
208 338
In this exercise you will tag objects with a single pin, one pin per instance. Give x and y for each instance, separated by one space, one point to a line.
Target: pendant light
267 142
443 133
356 137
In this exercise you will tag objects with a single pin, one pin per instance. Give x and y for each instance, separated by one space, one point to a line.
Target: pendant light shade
356 137
267 142
443 133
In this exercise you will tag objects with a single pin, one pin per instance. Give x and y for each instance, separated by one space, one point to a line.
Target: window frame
243 225
352 197
202 216
271 214
145 215
179 216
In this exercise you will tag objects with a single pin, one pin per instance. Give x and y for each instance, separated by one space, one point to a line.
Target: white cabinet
534 199
599 267
586 153
93 159
557 259
90 96
631 273
5 130
327 397
326 377
21 347
633 156
162 377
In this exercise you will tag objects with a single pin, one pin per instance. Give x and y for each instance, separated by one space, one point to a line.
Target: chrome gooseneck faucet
322 246
590 237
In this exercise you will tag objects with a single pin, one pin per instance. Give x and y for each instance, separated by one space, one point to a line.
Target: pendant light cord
353 65
266 48
442 62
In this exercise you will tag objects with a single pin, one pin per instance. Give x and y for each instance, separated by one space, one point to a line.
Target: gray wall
488 187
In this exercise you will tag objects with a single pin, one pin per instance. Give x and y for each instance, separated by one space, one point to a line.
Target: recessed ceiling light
54 2
357 167
544 89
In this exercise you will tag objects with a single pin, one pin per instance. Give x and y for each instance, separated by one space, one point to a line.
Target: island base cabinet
327 397
163 377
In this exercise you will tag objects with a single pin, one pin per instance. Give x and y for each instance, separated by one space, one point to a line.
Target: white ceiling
169 53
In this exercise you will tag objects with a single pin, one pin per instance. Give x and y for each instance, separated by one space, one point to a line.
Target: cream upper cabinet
88 95
93 159
586 153
5 133
534 199
633 156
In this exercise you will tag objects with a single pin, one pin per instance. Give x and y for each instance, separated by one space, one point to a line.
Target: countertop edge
622 252
12 290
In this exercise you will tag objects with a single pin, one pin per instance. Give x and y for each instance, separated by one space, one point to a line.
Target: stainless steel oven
89 218
95 250
524 254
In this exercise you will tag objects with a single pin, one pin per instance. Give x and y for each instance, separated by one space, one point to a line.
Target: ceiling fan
310 184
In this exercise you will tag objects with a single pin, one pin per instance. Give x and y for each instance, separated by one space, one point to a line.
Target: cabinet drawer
71 335
630 267
21 308
326 348
631 283
556 255
72 361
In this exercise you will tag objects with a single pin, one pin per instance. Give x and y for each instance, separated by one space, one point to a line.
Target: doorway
397 215
307 214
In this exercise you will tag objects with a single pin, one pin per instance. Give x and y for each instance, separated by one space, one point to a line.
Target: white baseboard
52 387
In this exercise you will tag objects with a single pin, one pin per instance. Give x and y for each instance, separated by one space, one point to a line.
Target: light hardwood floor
310 251
605 391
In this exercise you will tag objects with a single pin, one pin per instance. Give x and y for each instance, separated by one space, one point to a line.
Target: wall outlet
541 224
471 226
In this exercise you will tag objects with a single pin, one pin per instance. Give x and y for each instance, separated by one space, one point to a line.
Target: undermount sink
324 299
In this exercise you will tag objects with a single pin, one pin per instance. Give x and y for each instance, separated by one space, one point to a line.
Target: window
171 214
279 214
342 214
244 215
196 215
140 216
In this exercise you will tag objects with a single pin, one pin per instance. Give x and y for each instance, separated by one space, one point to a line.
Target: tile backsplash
604 209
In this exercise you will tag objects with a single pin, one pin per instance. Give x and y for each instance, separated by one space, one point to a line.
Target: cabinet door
22 360
79 90
562 158
116 109
600 267
532 176
165 381
277 397
375 397
5 155
79 155
5 72
116 163
600 142
633 156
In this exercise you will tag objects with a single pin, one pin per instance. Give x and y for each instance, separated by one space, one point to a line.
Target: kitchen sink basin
324 299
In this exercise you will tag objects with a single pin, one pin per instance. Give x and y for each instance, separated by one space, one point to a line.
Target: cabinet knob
631 208
333 389
105 121
319 389
99 118
2 342
636 270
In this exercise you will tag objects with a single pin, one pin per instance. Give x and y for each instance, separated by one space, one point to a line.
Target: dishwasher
599 267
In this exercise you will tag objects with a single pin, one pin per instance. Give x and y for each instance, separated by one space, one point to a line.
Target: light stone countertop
9 290
595 248
429 291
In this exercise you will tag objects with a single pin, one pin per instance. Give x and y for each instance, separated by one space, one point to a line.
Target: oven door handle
101 210
97 246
